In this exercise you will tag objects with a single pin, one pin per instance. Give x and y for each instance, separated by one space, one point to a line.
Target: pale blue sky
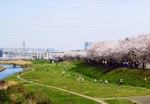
67 24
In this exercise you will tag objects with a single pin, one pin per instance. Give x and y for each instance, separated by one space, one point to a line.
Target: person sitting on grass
95 80
145 80
82 79
63 72
120 81
106 81
100 81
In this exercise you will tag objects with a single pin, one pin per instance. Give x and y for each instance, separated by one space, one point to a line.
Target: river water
10 69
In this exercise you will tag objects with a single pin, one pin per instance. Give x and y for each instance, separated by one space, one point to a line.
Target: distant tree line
130 52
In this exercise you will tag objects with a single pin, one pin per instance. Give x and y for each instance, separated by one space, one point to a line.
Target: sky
67 24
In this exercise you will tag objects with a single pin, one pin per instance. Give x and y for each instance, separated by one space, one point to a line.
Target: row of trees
130 52
72 55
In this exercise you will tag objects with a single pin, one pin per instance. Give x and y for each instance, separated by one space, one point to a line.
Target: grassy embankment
54 77
32 93
132 77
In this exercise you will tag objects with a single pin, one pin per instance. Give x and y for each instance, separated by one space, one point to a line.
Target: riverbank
2 68
9 70
17 62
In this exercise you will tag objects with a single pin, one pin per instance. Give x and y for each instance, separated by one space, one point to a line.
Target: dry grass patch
17 62
4 85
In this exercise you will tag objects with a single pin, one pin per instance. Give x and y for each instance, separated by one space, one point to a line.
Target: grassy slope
56 97
68 81
59 97
134 77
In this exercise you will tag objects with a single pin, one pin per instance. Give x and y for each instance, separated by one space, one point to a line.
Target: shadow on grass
94 70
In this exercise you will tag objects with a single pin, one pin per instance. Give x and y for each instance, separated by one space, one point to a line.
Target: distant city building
28 53
1 52
39 56
42 50
51 50
86 45
24 45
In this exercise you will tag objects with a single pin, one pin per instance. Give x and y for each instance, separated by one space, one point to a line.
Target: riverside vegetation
52 75
1 68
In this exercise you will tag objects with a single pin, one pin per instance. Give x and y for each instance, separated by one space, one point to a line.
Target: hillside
133 77
79 77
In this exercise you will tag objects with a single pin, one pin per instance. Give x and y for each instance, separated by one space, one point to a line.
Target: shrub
3 97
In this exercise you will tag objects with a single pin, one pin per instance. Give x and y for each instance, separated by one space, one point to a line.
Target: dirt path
136 99
140 99
53 87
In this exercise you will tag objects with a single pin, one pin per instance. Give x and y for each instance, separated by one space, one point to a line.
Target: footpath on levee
136 99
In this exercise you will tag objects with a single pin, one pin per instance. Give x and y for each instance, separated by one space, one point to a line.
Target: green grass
119 101
54 77
56 97
40 61
60 97
133 77
87 87
35 93
4 99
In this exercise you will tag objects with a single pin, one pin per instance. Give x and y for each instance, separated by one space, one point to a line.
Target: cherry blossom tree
134 51
130 52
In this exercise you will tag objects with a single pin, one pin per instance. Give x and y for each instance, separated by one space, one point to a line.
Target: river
10 69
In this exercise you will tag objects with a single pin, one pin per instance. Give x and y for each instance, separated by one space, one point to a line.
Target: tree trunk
143 64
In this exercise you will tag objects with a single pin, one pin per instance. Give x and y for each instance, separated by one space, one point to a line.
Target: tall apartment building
1 52
24 45
86 45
